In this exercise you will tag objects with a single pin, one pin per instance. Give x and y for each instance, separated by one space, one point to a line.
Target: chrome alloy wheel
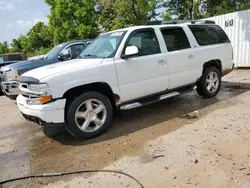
91 115
212 82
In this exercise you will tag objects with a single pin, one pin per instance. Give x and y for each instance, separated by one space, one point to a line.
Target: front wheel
210 83
89 115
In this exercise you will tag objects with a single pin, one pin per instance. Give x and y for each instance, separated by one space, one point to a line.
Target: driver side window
146 42
73 51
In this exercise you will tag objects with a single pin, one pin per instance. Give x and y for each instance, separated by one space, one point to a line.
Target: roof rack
159 22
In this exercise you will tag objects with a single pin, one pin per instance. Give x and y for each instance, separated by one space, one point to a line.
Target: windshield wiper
89 55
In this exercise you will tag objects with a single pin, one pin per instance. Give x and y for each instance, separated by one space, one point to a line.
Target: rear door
180 57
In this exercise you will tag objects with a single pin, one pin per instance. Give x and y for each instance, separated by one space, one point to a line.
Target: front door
147 72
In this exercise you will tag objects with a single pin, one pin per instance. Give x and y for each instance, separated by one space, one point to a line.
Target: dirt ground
184 142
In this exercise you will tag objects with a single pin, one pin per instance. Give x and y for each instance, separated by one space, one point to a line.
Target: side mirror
130 51
64 56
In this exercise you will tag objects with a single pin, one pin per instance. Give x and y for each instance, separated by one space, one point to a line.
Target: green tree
197 9
115 14
184 9
16 46
226 6
39 36
72 19
4 47
24 43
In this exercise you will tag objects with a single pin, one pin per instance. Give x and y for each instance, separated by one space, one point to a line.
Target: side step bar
145 102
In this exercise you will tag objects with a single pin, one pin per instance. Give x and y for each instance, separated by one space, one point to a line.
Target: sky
18 16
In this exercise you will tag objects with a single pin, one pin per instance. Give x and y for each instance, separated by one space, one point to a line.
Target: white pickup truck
126 69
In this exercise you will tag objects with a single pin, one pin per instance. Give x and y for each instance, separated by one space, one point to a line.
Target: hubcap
90 115
212 82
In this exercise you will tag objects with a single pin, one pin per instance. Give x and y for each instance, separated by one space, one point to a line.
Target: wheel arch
214 62
100 87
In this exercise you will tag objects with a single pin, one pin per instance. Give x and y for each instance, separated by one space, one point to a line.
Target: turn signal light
45 99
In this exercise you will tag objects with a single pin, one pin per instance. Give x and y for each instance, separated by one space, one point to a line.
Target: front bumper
10 88
50 113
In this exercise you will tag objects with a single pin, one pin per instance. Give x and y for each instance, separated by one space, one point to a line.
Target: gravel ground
185 141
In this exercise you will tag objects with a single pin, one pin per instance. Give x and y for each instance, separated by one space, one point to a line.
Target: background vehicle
11 57
62 52
126 69
7 59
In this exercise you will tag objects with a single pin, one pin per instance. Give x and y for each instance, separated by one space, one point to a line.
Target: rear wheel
210 83
89 115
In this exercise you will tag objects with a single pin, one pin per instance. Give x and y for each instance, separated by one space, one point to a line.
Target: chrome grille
25 92
2 76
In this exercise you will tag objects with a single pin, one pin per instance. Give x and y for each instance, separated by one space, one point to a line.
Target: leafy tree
4 47
16 46
184 9
226 6
39 36
72 19
197 9
115 14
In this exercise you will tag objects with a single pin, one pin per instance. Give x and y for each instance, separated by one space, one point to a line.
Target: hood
24 66
57 68
7 63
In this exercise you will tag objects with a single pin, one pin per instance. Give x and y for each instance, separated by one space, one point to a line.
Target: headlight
39 89
38 93
12 75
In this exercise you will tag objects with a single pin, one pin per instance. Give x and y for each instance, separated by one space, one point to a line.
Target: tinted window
75 50
145 41
175 39
14 57
209 34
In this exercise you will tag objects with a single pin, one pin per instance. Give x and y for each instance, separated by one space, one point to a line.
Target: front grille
23 87
2 76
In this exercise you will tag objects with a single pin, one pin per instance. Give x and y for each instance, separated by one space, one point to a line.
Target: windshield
104 46
54 52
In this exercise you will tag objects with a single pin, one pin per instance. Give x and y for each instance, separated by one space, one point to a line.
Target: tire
12 97
210 89
89 115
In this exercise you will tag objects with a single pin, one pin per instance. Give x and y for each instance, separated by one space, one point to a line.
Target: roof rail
158 22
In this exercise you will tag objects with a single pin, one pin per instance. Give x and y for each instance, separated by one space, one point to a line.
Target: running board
148 101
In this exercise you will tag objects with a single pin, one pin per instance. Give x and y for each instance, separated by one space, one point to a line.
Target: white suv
125 69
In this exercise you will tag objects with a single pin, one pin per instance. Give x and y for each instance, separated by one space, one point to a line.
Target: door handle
191 56
162 62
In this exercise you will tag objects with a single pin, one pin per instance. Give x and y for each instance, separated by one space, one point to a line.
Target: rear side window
14 57
175 39
209 34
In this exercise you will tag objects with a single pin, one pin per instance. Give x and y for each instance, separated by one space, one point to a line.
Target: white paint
50 113
130 78
131 50
239 34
